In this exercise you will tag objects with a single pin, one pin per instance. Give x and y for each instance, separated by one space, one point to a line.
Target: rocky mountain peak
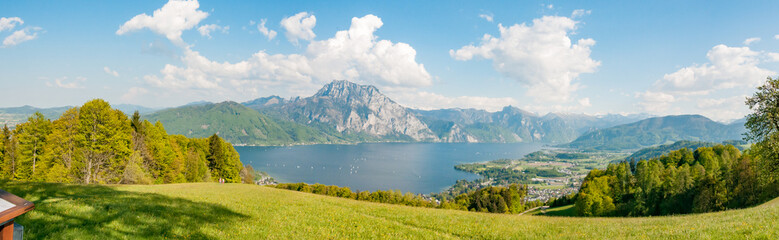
351 107
345 90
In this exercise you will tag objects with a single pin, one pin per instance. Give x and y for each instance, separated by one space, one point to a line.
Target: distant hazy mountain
15 115
512 124
450 125
129 109
265 102
235 123
659 130
197 103
350 108
455 115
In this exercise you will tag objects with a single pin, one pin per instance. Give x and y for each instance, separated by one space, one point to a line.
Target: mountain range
345 112
659 130
512 124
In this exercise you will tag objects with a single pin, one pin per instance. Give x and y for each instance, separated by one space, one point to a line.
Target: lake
414 167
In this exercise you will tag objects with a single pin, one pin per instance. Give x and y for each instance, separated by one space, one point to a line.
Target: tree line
95 143
683 181
493 199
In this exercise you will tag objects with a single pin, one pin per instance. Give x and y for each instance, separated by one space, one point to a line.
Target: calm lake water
414 167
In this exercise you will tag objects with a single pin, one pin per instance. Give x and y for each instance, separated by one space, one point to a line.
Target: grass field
239 211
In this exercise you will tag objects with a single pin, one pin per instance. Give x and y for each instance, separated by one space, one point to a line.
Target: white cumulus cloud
751 40
427 101
723 109
21 36
580 13
655 102
487 17
585 102
170 21
110 72
205 30
62 83
133 93
715 89
300 26
541 55
9 23
200 72
265 31
355 54
728 67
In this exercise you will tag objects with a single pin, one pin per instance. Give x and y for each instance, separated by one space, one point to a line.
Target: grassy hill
659 130
235 123
239 211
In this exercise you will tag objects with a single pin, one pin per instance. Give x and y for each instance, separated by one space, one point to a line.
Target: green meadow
241 211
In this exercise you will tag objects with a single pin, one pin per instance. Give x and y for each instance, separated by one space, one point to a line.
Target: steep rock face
350 107
528 126
457 134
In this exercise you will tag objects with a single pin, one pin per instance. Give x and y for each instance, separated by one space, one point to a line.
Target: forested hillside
95 143
657 151
683 181
236 123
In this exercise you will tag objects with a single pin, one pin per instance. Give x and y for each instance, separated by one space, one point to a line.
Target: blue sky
660 57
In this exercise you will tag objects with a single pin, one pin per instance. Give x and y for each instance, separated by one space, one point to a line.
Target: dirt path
530 210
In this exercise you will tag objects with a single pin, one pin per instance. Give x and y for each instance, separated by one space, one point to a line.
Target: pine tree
11 156
135 122
215 157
